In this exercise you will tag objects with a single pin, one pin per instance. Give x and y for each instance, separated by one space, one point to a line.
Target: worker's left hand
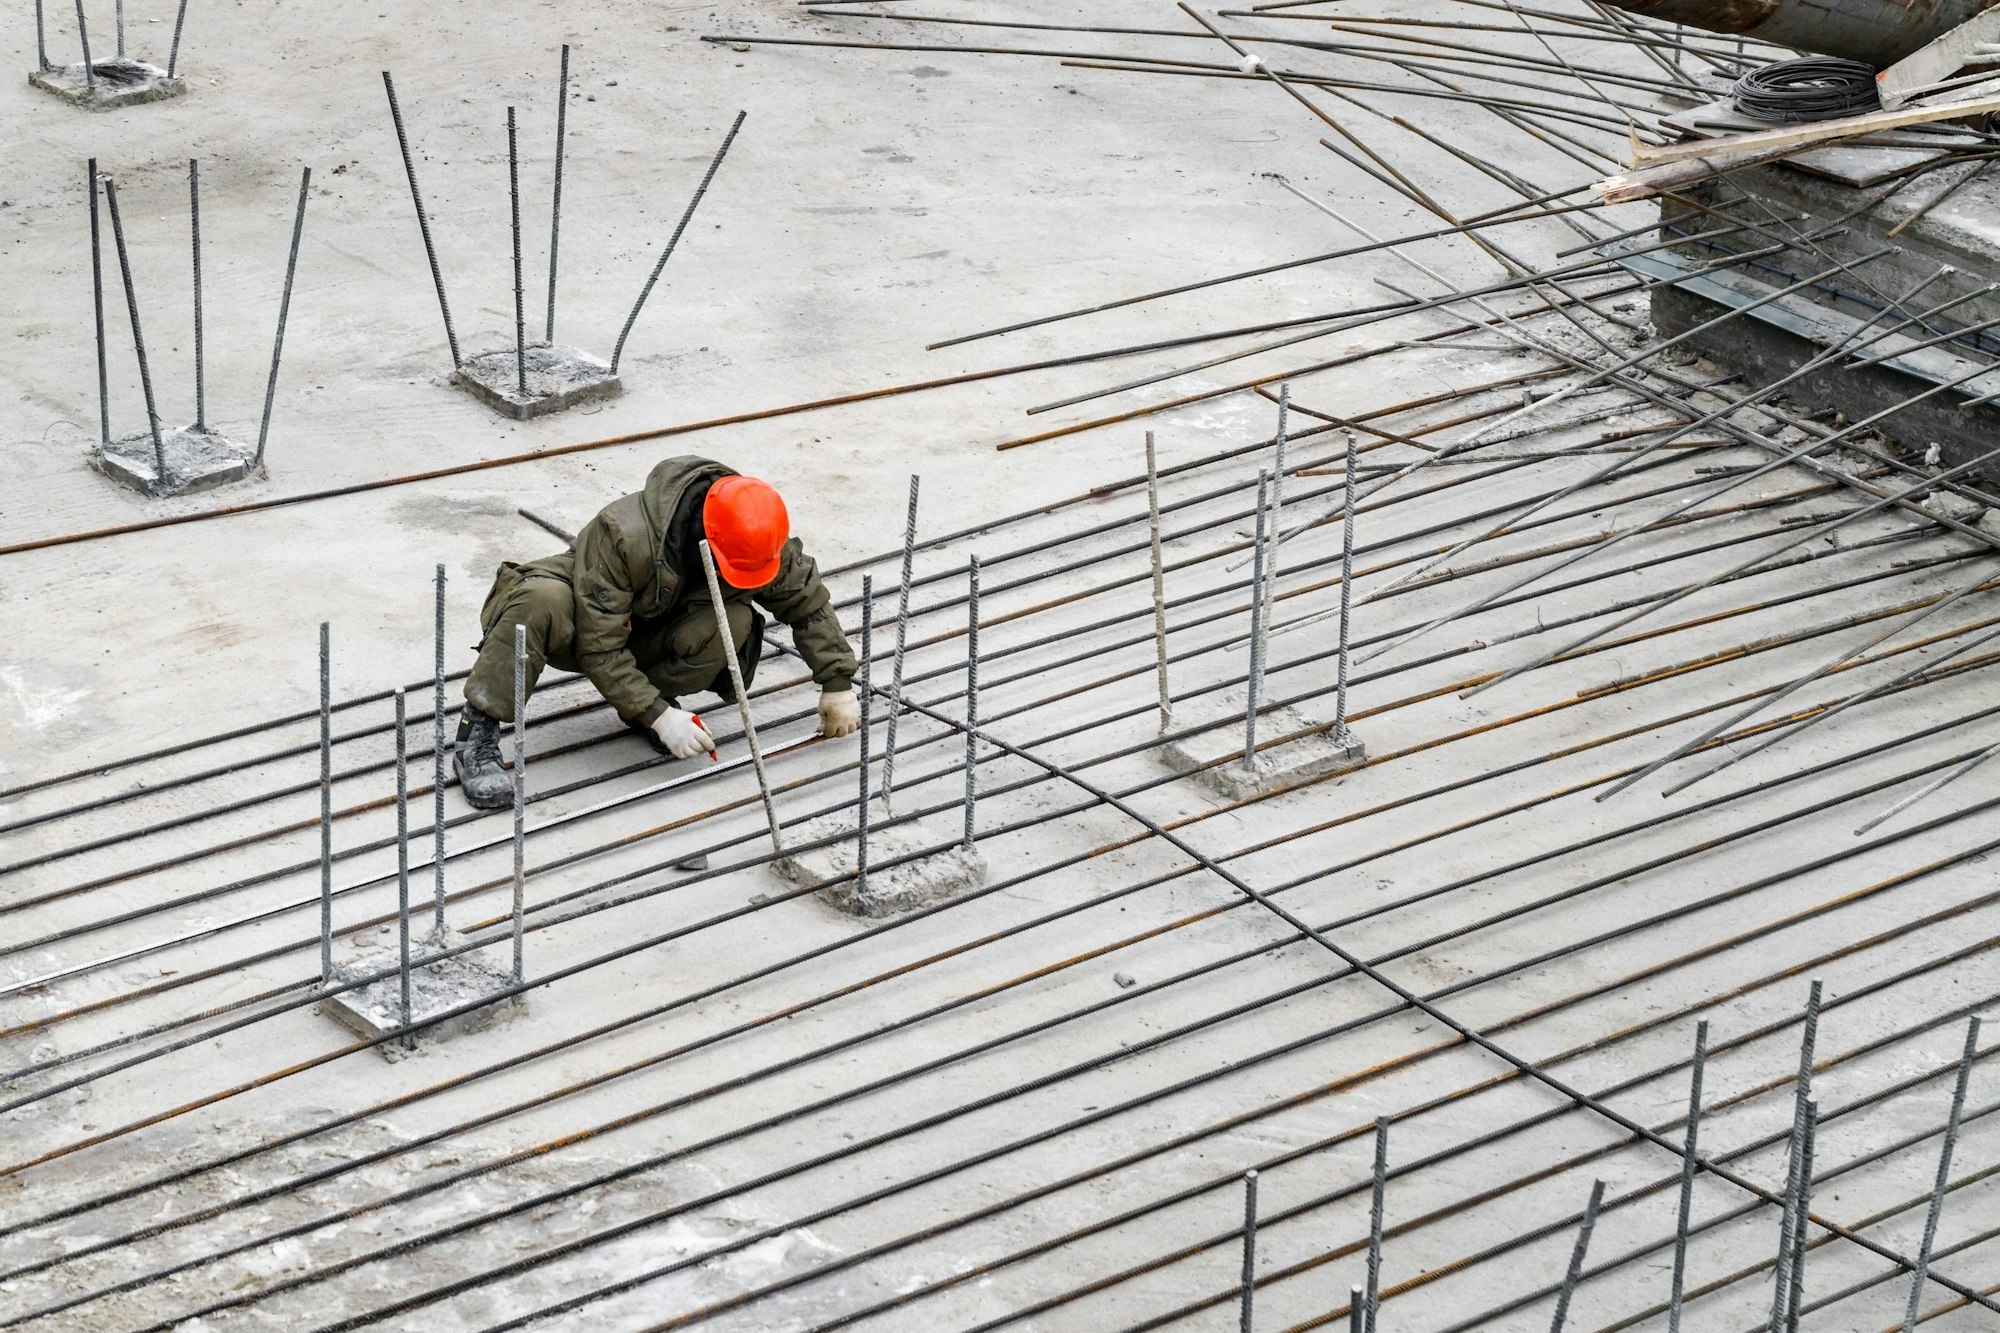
839 713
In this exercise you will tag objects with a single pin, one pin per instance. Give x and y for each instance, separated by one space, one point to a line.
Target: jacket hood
668 482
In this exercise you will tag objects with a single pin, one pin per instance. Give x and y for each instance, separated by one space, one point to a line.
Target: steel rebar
1254 685
520 795
1689 1148
902 640
1378 1193
514 213
194 233
1576 1257
284 311
971 695
618 348
96 290
160 477
438 752
1246 1319
1950 1144
423 219
83 39
1159 582
403 870
727 639
867 724
325 803
174 52
555 206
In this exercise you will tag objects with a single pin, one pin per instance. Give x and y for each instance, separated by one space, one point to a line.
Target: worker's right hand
683 734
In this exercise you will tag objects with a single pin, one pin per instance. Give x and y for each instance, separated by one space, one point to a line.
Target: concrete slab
891 889
376 1009
1215 756
116 83
558 378
196 460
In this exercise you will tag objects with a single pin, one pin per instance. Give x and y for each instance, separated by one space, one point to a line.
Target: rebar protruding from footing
174 51
83 39
1254 684
902 638
1346 597
194 232
742 693
403 861
423 219
138 338
1357 1311
42 42
1159 582
1793 1219
119 12
1277 499
555 208
867 722
1576 1257
284 310
325 803
437 767
971 694
520 792
1246 1317
1689 1149
618 349
1921 1271
1372 1297
514 212
97 302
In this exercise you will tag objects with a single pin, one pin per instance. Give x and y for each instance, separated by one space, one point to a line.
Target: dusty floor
720 1081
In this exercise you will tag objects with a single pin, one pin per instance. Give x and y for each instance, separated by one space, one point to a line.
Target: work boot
475 757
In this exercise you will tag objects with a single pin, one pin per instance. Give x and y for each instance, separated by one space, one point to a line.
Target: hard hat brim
745 576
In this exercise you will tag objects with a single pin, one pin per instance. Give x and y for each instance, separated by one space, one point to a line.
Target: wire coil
1800 91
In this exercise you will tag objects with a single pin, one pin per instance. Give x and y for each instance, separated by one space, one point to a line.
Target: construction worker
628 606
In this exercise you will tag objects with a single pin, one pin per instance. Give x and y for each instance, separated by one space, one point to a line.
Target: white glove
683 734
839 713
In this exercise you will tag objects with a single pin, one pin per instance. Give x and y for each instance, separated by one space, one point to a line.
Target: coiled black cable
1815 88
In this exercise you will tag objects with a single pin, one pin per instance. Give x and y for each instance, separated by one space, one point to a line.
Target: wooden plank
1794 136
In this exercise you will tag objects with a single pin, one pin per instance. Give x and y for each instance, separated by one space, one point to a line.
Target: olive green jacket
624 565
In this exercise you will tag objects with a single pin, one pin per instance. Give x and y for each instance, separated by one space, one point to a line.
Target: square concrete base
1310 756
197 460
377 1008
901 888
558 377
118 83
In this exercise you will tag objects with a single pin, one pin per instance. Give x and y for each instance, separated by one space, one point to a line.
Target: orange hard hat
747 525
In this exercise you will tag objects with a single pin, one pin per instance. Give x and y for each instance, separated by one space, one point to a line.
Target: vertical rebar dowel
1802 1089
284 309
174 52
194 231
618 349
437 768
1159 581
83 39
514 210
1576 1257
1357 1308
423 219
1795 1299
1246 1318
403 861
325 803
1254 683
121 29
971 693
138 338
1373 1296
1277 508
742 693
867 721
1346 596
1923 1265
520 790
42 49
555 209
97 306
1688 1155
902 638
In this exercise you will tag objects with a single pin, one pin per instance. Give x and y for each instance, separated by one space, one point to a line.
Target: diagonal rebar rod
284 313
618 348
423 218
555 206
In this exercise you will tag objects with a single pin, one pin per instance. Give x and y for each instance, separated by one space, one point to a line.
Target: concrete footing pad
377 1008
1215 756
558 377
892 889
118 83
197 460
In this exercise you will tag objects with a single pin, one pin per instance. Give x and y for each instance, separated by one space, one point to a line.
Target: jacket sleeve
798 598
604 623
